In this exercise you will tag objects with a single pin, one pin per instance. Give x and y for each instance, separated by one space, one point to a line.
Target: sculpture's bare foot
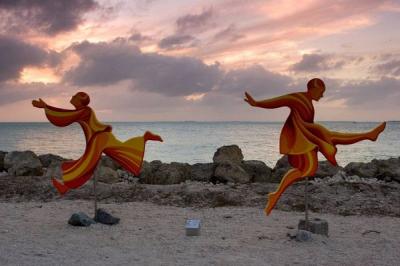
373 135
150 136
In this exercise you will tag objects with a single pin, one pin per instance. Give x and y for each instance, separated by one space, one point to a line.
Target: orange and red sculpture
301 138
99 139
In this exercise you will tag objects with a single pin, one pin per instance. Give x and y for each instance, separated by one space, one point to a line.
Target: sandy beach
37 233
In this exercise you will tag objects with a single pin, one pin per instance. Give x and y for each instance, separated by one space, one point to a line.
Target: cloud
177 41
108 63
229 33
11 92
370 94
47 16
195 22
316 63
16 54
391 68
256 79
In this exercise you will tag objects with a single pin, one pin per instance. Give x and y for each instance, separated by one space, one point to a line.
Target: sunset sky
153 60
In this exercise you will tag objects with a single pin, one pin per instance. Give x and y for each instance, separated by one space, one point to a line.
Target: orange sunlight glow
45 75
195 97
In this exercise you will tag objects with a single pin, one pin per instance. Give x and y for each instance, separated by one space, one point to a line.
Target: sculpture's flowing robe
299 134
99 139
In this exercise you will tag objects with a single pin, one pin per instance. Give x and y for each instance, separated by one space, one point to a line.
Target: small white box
192 227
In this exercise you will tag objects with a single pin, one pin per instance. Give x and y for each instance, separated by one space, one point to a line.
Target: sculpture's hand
39 103
250 100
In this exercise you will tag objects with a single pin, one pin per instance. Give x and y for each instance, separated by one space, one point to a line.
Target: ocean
196 142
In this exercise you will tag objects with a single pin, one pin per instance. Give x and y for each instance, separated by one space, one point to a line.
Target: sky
153 60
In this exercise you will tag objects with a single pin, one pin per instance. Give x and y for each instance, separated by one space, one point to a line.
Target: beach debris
80 219
104 217
370 231
192 227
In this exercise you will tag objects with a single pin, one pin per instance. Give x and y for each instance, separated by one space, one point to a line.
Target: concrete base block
315 226
192 227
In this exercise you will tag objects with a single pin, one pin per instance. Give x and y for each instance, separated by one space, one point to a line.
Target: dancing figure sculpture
301 138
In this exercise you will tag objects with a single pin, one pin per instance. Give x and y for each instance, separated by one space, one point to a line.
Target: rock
228 153
303 236
54 169
315 226
163 173
80 219
202 172
280 169
106 175
47 159
325 169
2 155
366 170
110 163
23 163
388 169
258 171
228 171
104 217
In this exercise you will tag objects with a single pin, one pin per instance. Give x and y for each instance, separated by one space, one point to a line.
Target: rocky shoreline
371 188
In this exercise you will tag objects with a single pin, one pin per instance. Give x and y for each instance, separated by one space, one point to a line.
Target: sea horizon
195 141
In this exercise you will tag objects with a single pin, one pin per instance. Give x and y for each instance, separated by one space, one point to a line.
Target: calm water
195 142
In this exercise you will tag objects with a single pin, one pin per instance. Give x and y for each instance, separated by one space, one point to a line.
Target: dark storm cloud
16 54
109 63
48 16
391 67
176 41
316 63
195 22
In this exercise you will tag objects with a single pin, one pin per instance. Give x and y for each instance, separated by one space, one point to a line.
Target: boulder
228 171
165 174
47 159
325 169
106 175
23 163
366 170
54 169
108 162
280 169
2 155
202 172
257 170
388 169
228 153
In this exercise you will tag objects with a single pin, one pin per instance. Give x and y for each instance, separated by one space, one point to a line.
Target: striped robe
299 134
99 139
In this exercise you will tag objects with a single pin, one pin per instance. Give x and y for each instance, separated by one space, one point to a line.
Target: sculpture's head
316 88
81 99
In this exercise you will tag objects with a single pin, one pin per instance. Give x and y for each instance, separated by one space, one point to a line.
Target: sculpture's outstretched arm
281 101
58 116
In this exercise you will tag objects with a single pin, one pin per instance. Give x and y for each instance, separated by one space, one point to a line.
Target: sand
36 233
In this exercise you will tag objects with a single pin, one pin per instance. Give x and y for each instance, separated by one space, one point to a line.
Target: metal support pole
95 196
306 203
